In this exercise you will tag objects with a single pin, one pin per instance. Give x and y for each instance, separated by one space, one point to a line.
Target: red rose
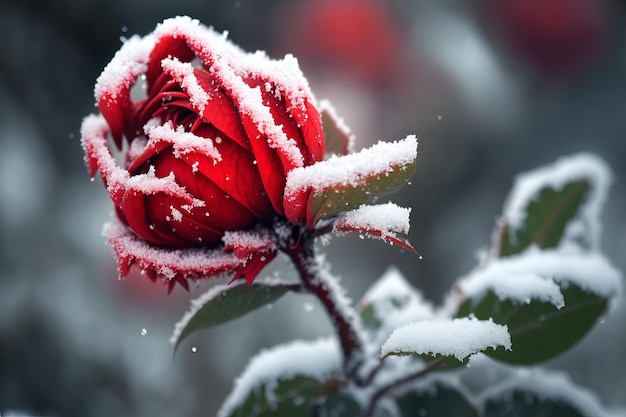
224 159
207 149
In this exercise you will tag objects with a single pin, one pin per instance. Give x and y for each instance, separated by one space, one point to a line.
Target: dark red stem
317 281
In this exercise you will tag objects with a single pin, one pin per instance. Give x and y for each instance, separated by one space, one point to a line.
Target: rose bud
206 151
225 160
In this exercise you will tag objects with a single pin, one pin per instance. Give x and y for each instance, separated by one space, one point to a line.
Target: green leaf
539 331
437 400
524 404
360 191
292 397
547 216
227 302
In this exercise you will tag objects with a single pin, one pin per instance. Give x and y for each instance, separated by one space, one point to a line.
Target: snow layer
528 275
521 288
319 360
352 169
127 64
386 218
459 338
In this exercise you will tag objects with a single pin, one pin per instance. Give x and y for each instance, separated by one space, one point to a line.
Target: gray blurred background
491 88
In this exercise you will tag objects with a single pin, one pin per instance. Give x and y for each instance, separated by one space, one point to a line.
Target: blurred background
491 88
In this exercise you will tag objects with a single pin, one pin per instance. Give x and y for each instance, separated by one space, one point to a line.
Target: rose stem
318 281
395 383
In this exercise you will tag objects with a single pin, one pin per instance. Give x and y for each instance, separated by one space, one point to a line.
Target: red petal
254 265
296 206
167 47
236 174
116 107
221 111
312 130
224 212
134 208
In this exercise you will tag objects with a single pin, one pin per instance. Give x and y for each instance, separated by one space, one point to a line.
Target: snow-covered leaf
351 196
459 338
555 205
287 380
223 303
388 222
437 400
548 300
538 329
343 183
546 218
536 392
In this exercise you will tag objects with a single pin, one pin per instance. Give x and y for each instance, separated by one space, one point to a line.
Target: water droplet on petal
144 332
194 349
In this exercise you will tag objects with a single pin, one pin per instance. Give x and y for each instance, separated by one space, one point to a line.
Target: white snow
182 142
387 218
520 288
319 360
582 166
590 271
246 242
459 338
127 64
183 74
149 183
352 169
